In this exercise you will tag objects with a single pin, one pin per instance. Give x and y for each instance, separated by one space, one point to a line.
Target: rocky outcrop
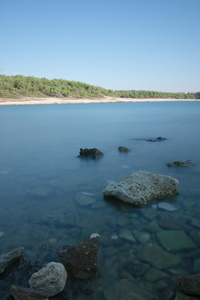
21 293
183 163
50 280
142 187
9 258
81 260
92 153
125 290
123 149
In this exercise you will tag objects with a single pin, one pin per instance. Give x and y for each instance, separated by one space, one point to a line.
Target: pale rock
50 280
142 187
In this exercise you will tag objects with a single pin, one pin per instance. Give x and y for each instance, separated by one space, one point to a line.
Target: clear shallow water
41 178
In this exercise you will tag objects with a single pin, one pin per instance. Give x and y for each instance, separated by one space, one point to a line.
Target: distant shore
45 101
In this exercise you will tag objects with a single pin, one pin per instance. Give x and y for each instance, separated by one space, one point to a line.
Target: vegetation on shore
21 86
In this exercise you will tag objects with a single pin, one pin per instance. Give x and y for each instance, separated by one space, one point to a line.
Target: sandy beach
45 101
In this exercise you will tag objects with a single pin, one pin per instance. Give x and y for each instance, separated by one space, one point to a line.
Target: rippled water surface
42 180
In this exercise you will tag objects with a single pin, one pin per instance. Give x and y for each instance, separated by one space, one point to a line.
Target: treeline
18 86
151 94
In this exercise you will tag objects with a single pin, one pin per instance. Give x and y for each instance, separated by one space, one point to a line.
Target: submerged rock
175 240
50 280
123 149
84 200
183 163
167 206
1 234
21 293
142 187
125 290
81 260
188 284
158 257
93 153
9 258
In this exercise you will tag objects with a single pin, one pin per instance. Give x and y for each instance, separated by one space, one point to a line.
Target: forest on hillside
29 86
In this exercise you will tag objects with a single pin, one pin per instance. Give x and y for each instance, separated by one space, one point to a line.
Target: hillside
21 86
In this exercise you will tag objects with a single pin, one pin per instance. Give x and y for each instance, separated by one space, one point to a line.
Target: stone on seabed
21 293
50 280
142 187
9 258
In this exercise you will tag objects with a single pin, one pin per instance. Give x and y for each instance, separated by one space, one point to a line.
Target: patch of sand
43 101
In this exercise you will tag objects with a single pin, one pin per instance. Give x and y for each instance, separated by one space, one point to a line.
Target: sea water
42 180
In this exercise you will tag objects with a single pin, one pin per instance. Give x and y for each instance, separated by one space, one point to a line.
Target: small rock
84 200
81 260
126 234
50 280
158 139
93 153
142 236
188 284
153 275
142 187
184 163
167 206
9 258
1 234
21 293
123 149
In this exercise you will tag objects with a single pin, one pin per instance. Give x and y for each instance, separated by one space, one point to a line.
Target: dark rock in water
158 139
125 290
123 149
184 163
9 258
81 260
21 293
188 284
93 153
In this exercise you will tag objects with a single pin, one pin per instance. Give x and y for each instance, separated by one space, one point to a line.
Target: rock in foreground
50 280
92 153
142 187
9 258
21 293
81 260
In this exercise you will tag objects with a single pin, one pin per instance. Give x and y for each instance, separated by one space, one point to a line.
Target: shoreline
50 101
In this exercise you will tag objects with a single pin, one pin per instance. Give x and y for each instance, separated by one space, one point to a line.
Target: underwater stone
9 258
167 206
126 234
175 240
21 293
188 284
1 234
158 257
142 187
125 290
81 260
50 280
84 200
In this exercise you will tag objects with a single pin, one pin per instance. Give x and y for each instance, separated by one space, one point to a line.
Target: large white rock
142 187
50 280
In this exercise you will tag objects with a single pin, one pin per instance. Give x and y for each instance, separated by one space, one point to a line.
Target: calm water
41 179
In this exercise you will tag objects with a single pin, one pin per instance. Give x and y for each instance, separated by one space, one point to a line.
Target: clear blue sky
116 44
